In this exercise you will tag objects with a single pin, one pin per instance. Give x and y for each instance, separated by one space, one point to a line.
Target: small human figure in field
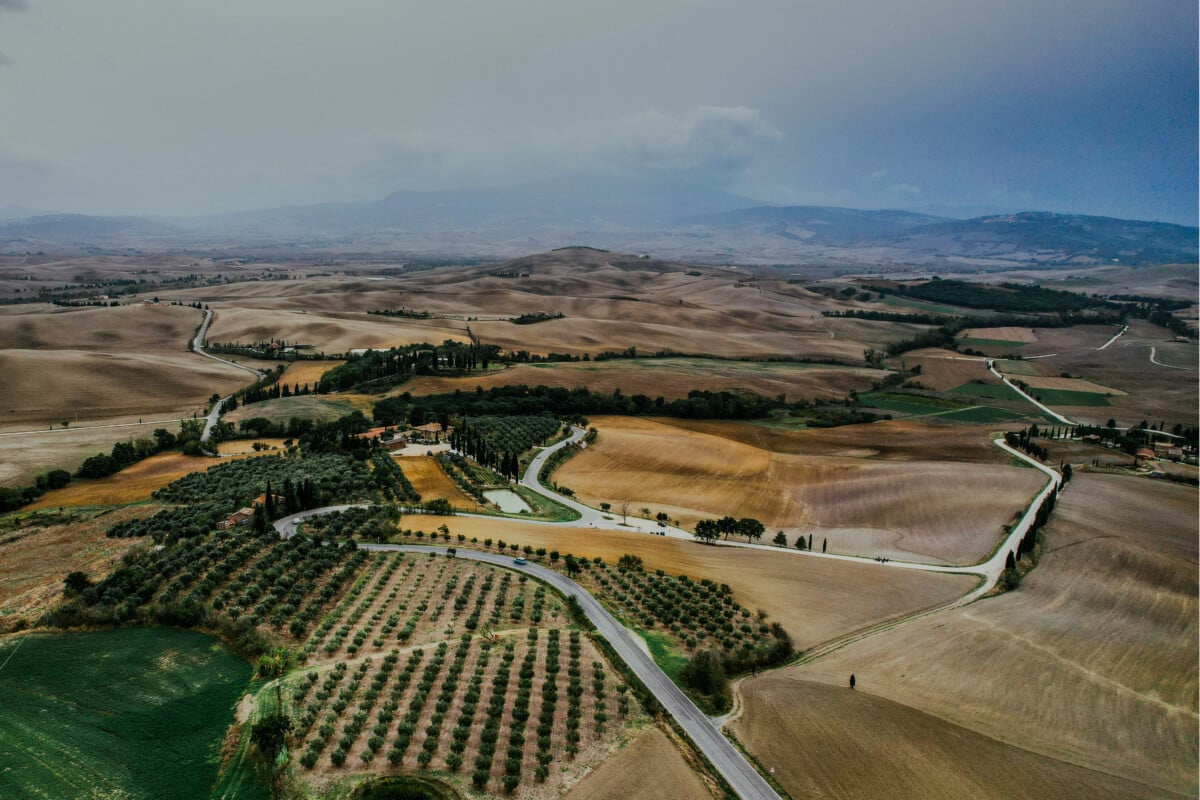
852 680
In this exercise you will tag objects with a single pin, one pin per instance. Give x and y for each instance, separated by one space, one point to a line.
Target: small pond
509 501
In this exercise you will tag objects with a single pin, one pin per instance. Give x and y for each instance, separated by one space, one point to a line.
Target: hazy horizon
135 107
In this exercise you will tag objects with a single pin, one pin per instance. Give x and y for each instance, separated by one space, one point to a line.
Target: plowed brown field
1092 661
648 768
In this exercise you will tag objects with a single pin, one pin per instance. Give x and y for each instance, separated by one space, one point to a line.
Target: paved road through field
992 368
727 759
198 347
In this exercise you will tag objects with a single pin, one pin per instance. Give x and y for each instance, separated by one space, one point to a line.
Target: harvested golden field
1092 661
244 447
671 378
1069 384
830 741
24 452
88 386
432 482
815 599
1007 334
94 363
122 329
133 484
944 369
299 373
1078 337
651 767
37 552
919 510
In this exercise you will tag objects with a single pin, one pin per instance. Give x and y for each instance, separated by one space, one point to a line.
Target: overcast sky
146 106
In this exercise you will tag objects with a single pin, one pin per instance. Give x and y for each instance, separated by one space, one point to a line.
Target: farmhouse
432 432
239 517
1168 450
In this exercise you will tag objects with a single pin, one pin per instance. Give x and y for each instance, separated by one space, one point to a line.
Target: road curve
590 517
198 347
727 759
1154 360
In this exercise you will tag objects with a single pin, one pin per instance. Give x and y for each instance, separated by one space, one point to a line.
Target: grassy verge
544 507
240 777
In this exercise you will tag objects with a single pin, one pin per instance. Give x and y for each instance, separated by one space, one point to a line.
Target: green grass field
983 414
917 405
920 305
318 409
921 406
1065 397
994 391
128 713
1012 367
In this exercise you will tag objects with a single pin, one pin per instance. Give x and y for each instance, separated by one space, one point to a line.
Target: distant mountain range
671 219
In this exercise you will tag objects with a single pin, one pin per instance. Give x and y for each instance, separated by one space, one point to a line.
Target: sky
169 108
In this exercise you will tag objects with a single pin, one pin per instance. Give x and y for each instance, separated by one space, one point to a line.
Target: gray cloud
1078 105
5 61
708 144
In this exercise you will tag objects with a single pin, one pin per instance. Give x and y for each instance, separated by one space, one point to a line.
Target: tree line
1004 297
570 404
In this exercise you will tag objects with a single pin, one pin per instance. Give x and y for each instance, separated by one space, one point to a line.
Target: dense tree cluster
12 498
1023 440
303 482
571 404
377 370
709 530
1005 297
391 479
498 442
338 436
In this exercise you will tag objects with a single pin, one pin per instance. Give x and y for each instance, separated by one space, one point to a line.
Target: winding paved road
198 347
1154 360
727 759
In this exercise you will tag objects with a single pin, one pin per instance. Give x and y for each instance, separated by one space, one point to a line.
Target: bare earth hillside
1092 661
